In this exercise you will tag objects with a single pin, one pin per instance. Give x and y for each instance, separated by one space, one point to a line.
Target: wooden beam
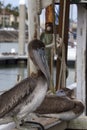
79 123
64 36
49 14
49 18
81 65
59 126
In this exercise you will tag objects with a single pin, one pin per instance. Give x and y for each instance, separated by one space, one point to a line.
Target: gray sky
13 2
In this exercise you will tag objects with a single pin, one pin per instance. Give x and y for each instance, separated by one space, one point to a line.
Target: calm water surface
8 74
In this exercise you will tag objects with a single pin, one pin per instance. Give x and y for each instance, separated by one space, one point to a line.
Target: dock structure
13 59
34 26
81 64
81 48
8 36
11 36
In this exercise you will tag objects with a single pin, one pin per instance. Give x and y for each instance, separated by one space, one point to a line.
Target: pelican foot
18 124
18 127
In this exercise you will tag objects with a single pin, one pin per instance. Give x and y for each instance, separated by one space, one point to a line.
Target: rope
60 75
63 64
54 27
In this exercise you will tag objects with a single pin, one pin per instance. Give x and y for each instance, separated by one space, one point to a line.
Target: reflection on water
8 75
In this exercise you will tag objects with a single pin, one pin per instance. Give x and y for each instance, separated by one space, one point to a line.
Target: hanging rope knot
61 55
59 42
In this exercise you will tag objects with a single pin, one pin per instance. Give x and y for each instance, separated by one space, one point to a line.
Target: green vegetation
9 8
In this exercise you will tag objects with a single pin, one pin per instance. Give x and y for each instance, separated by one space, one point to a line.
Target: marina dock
9 59
73 56
15 59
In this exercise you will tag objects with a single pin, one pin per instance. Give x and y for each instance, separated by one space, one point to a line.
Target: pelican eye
40 50
61 91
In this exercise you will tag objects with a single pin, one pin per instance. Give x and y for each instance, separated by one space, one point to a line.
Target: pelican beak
41 62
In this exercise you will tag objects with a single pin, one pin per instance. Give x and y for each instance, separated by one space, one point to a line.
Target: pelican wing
15 95
56 105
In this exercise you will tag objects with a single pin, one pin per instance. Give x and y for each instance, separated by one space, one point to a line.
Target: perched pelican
27 95
62 105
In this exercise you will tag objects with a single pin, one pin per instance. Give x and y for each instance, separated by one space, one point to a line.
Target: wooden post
81 64
49 19
49 14
34 33
64 36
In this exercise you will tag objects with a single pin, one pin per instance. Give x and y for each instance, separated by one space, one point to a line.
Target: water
8 73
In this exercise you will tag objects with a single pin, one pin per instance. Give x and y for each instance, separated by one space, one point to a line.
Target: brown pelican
27 95
62 105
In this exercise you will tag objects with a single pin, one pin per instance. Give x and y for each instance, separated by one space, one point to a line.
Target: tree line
9 8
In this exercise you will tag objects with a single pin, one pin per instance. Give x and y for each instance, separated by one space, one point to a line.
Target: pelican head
36 50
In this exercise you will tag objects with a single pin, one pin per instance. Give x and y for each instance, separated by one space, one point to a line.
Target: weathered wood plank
79 123
81 53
